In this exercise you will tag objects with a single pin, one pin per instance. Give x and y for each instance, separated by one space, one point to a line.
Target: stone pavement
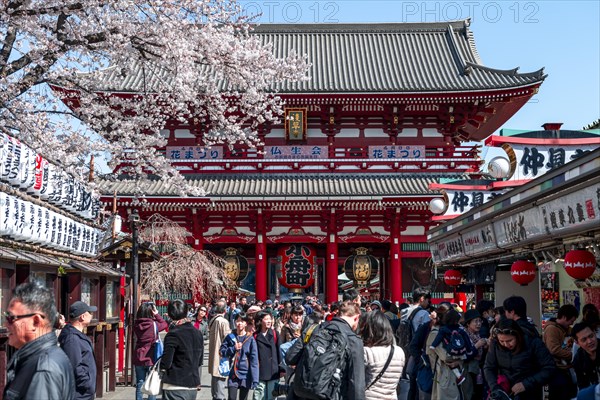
128 392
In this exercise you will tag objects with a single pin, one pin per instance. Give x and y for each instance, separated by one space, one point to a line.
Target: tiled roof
376 58
289 186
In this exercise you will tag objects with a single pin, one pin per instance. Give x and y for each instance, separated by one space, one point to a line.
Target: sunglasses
203 309
505 331
10 318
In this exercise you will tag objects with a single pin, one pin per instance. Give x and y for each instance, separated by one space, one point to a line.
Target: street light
134 219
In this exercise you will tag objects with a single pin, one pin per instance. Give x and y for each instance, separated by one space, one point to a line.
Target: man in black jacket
79 349
587 361
39 369
515 308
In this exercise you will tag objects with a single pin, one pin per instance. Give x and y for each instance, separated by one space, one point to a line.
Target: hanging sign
479 241
578 209
397 152
295 152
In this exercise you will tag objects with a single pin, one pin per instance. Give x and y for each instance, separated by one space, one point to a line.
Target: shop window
112 297
86 291
5 290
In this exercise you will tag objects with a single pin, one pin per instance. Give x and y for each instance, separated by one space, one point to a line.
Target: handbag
153 380
425 375
158 345
387 364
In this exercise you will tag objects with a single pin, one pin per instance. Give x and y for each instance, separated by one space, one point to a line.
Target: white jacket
385 387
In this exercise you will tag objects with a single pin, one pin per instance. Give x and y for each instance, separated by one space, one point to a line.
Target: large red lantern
522 272
452 277
296 266
580 264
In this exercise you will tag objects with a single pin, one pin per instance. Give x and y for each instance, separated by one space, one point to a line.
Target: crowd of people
354 349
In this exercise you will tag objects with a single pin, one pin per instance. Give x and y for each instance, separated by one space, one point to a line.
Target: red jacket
145 334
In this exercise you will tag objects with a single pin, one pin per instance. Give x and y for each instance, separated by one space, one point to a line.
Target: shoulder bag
153 380
158 345
387 364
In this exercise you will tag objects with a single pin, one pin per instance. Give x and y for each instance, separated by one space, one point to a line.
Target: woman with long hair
240 347
184 351
293 328
379 347
269 357
146 327
516 363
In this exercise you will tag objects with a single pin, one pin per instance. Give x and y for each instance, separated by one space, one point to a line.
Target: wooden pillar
260 263
395 275
111 355
99 355
331 270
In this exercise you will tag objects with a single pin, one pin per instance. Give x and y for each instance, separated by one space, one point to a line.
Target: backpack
405 332
319 372
455 344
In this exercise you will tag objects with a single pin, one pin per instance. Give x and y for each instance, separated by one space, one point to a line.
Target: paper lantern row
27 222
23 168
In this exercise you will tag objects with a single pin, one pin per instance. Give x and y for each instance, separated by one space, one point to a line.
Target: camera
280 390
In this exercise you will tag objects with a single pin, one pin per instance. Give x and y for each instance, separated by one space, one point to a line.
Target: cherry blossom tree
194 61
180 268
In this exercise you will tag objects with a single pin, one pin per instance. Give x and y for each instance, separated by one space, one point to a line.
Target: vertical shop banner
572 297
549 292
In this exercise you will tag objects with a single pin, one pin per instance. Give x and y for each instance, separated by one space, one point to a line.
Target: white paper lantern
499 167
437 206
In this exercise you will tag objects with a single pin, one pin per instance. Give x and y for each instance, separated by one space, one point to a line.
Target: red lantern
522 272
296 266
580 264
452 277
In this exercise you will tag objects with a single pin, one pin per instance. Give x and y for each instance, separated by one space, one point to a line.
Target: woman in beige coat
445 385
378 340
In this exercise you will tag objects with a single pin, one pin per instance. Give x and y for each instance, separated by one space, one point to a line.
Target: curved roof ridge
512 72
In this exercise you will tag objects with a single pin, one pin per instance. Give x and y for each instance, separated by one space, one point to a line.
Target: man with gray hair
218 329
39 369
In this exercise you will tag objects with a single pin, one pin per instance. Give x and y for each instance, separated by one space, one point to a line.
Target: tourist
182 357
293 328
378 340
587 360
218 329
39 369
240 347
561 386
515 308
269 358
146 327
522 360
473 387
78 347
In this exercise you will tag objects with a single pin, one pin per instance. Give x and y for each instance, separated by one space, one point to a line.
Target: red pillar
395 276
260 263
331 270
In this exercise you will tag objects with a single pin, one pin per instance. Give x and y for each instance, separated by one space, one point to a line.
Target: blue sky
562 37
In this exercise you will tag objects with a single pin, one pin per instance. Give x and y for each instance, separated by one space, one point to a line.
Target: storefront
540 222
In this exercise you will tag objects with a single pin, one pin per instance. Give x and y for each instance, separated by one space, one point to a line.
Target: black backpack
318 375
455 344
405 333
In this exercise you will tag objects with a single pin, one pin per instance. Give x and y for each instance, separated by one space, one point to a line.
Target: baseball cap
79 307
268 303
